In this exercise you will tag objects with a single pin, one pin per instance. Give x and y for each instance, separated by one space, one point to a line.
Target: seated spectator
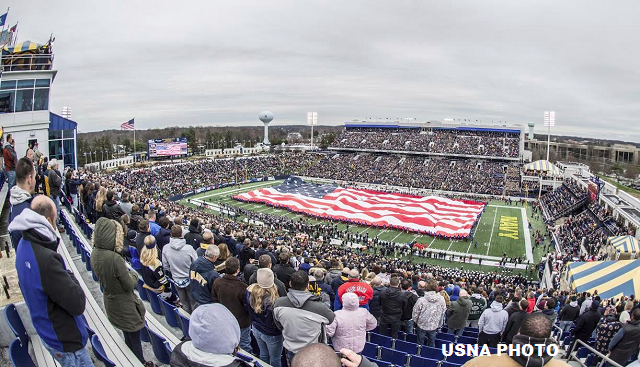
215 336
202 275
535 329
259 301
351 323
123 307
152 271
177 258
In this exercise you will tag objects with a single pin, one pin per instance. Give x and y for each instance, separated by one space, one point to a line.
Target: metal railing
30 62
573 355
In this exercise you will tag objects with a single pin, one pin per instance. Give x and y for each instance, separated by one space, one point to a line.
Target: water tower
531 125
266 117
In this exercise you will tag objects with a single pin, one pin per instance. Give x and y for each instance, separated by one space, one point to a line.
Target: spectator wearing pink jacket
349 328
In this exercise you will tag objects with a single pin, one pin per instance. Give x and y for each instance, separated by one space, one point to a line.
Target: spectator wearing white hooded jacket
177 257
350 326
492 323
428 314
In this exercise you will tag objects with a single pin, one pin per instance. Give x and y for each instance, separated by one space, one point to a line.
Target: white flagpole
134 140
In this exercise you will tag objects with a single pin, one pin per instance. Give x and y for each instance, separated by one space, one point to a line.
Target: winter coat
606 329
229 290
177 258
361 289
512 308
392 303
54 296
375 306
458 312
19 200
140 241
124 309
493 320
513 325
202 275
55 183
284 272
455 293
135 220
532 304
429 311
10 158
332 274
478 305
264 320
162 239
628 343
585 325
302 317
246 254
193 238
112 210
186 355
350 326
570 312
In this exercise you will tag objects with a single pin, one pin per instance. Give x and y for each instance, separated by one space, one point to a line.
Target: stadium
392 242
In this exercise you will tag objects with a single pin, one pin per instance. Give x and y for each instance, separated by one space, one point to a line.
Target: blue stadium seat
583 352
440 342
89 329
413 338
447 364
16 324
401 335
472 329
371 350
19 355
155 303
99 352
141 291
381 340
446 337
94 276
394 357
466 340
470 334
184 323
417 361
87 256
144 334
431 352
169 312
407 347
458 359
159 350
380 363
168 348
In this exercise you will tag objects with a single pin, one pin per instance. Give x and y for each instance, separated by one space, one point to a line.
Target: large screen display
167 147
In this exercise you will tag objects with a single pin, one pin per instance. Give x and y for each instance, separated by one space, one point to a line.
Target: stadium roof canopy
625 244
611 279
543 166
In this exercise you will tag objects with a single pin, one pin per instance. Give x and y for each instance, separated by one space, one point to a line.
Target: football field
502 228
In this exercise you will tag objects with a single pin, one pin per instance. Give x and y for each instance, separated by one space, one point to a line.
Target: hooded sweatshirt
494 319
428 312
570 312
177 258
54 297
459 312
20 200
302 317
350 326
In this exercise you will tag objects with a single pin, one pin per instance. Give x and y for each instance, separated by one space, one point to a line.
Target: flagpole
15 36
134 140
5 22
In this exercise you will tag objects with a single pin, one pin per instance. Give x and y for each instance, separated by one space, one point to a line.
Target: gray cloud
200 63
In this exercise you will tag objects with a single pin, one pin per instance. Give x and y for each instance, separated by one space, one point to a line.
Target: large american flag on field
429 214
129 125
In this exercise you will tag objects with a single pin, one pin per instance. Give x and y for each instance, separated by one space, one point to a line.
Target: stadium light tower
66 112
266 117
312 119
549 121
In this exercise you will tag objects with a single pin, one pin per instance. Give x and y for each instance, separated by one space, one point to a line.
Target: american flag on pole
127 125
429 214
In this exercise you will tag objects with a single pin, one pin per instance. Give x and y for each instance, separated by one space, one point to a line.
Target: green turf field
500 230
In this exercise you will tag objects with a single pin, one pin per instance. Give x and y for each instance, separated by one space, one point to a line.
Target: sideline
527 236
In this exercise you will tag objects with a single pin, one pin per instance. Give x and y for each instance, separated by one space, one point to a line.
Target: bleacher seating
98 350
19 355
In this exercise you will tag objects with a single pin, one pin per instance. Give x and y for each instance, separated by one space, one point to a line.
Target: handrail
574 355
28 62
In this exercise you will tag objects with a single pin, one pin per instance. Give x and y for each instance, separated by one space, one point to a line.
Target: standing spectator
607 328
284 269
625 343
458 313
53 295
21 194
55 183
203 274
10 160
207 240
625 316
515 321
177 258
246 254
154 228
492 323
111 208
164 234
124 309
229 290
136 217
72 183
531 298
478 305
586 304
587 322
549 309
411 297
354 285
324 287
125 204
392 304
264 262
343 278
215 335
334 272
350 326
375 306
301 316
428 314
143 232
569 314
194 236
152 272
259 301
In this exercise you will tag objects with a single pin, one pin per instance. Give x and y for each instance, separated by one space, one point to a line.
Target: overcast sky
214 62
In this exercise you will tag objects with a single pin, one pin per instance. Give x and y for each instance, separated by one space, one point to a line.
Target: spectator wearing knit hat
259 300
215 335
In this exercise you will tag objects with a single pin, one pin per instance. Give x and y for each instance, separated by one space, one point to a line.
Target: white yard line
381 232
366 229
450 243
492 228
527 236
398 235
504 206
